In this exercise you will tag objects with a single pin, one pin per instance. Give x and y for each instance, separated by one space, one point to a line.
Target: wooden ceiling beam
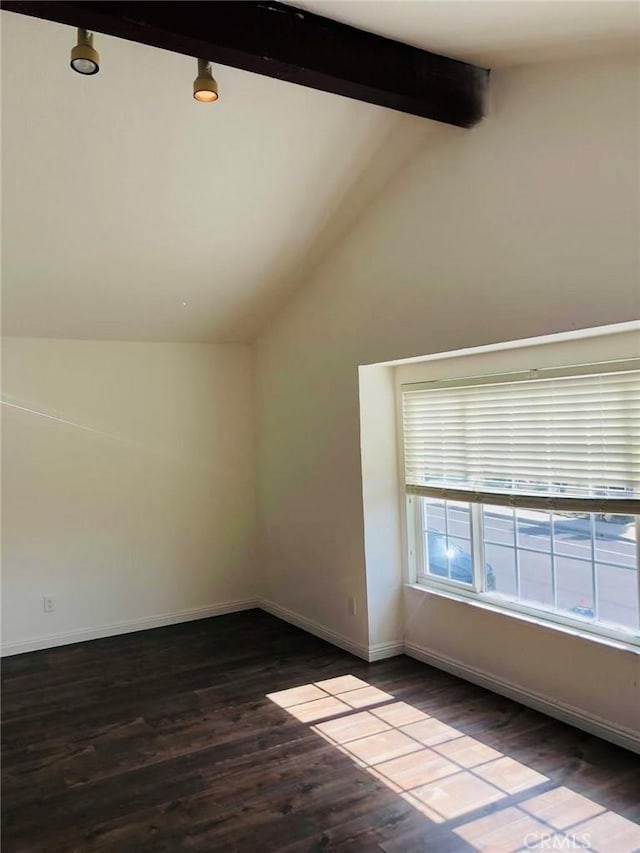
290 44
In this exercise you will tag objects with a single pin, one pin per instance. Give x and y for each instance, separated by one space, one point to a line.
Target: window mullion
446 538
637 564
554 579
516 548
594 571
420 552
477 546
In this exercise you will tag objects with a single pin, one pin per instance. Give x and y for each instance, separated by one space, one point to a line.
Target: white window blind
547 439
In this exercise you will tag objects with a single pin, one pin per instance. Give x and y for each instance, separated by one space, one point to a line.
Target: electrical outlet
352 606
49 604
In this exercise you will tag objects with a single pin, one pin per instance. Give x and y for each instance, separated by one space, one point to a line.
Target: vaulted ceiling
123 198
496 33
131 212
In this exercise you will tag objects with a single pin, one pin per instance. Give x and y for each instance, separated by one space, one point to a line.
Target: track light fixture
205 88
85 59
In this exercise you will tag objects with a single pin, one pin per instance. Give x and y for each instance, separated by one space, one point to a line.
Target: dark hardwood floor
173 740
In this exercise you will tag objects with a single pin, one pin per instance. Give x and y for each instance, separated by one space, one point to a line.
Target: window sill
570 630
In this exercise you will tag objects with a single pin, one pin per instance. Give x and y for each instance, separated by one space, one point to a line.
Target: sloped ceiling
496 33
131 212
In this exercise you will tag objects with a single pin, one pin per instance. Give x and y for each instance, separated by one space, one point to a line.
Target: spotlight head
205 87
85 59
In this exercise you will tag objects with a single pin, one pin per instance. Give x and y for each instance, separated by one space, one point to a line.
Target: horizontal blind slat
581 431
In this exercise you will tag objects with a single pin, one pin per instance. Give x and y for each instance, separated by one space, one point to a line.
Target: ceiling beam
289 44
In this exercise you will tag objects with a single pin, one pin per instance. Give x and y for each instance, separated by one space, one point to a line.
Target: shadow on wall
379 165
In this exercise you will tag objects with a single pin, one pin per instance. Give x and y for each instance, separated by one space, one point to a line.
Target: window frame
476 593
414 539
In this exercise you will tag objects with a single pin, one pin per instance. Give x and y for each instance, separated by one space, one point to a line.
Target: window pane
460 560
437 557
572 534
535 578
577 565
617 596
459 519
534 529
448 540
574 585
615 540
501 564
499 525
434 514
449 557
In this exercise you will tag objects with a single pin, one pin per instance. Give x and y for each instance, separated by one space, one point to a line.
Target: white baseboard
50 640
314 628
380 651
619 735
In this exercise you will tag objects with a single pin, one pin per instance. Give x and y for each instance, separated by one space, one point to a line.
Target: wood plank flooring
241 733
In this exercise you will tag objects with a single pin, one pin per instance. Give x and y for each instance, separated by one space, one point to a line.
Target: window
523 490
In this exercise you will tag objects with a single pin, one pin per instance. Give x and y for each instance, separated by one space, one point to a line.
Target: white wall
384 523
525 226
128 485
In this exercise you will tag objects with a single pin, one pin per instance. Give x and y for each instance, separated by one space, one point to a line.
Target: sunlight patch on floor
447 775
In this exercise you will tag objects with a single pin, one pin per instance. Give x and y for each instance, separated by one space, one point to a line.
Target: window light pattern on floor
450 777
